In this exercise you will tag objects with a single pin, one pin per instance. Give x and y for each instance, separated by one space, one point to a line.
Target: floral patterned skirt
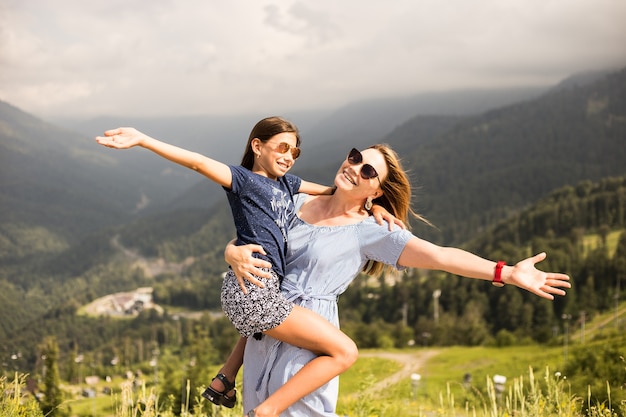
260 310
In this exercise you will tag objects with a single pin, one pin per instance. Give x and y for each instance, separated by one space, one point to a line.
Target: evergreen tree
51 404
619 265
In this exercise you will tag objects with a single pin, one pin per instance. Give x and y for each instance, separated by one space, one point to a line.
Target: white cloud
78 58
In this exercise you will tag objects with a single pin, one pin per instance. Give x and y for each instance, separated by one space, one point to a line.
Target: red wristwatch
497 275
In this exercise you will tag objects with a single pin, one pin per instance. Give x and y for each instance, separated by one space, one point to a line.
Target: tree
619 265
53 396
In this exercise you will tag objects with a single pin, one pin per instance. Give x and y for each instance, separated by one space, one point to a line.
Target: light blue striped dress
321 262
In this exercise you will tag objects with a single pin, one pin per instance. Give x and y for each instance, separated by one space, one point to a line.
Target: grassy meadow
383 384
534 386
441 389
592 241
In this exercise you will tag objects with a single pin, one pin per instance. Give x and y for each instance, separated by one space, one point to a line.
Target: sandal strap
228 386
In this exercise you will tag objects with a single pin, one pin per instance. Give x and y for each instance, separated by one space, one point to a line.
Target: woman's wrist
228 252
500 276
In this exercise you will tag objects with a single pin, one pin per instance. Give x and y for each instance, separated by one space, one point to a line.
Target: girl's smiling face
275 157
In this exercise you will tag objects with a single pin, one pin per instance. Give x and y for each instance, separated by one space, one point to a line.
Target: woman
331 241
260 192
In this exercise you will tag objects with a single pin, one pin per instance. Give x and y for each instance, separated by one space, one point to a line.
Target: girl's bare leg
231 366
311 331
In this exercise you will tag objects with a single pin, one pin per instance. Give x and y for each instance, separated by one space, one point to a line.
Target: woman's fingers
261 267
539 257
242 284
251 278
561 278
113 132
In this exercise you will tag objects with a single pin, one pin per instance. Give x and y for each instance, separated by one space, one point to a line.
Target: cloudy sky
68 58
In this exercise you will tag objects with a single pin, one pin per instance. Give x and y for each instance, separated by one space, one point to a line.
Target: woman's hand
544 284
381 214
245 266
121 138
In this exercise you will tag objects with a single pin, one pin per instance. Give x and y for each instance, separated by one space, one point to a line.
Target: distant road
412 363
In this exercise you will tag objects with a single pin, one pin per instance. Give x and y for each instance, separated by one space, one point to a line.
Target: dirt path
411 363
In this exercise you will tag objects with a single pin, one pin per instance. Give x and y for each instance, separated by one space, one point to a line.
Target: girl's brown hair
264 130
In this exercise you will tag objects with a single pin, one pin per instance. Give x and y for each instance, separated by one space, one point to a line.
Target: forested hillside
490 166
56 187
581 228
40 166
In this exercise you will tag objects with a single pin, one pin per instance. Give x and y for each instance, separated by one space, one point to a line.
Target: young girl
260 196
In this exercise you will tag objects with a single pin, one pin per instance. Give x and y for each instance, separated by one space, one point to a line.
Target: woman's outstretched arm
419 253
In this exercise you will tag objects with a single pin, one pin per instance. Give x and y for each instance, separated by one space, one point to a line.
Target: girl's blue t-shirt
262 209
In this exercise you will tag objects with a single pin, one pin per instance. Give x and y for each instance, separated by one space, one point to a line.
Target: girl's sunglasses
284 147
367 171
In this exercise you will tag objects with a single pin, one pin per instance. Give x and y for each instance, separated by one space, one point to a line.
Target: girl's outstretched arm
128 137
312 188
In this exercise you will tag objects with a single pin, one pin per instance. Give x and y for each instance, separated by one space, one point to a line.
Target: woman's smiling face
351 174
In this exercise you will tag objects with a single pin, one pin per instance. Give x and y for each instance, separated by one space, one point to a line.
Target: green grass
14 401
452 363
441 387
592 241
351 382
600 324
102 405
441 379
533 388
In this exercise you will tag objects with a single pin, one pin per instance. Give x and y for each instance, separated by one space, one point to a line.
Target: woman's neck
325 210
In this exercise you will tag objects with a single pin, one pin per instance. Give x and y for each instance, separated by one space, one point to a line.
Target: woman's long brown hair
396 198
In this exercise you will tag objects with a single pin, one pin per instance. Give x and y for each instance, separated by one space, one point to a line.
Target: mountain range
474 156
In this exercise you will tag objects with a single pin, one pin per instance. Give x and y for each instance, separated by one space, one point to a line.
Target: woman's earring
369 203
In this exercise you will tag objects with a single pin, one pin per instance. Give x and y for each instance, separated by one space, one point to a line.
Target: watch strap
497 274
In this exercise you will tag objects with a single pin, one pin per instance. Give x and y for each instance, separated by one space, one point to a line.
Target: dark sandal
220 398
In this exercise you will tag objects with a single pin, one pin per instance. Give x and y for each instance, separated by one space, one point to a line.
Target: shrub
14 402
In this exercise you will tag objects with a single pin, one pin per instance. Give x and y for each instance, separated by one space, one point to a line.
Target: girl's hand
381 214
544 284
121 138
245 266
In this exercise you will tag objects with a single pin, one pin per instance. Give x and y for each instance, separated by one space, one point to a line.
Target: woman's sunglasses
367 171
284 147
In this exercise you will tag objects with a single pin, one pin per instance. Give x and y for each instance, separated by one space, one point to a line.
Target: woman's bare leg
308 330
